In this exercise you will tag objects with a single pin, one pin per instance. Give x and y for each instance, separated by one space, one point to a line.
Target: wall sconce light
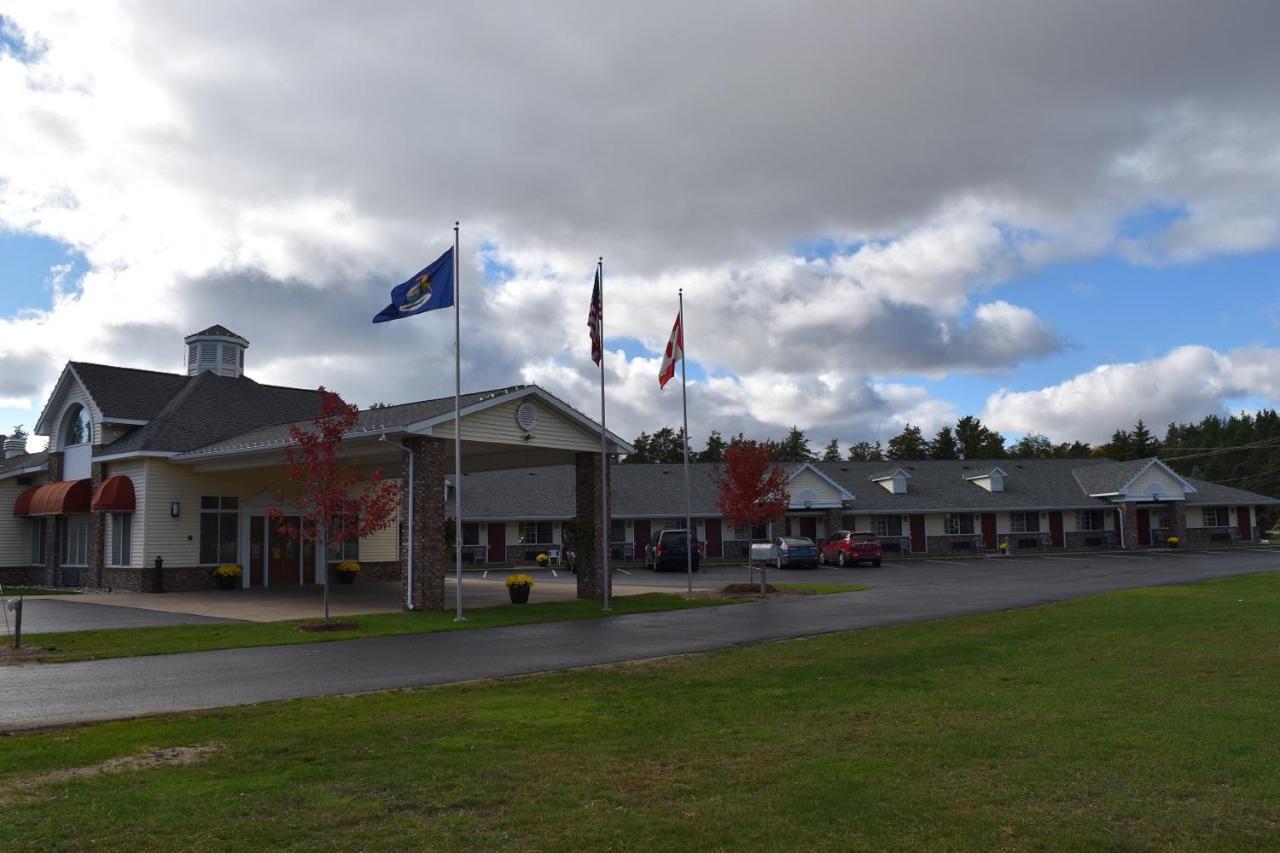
175 509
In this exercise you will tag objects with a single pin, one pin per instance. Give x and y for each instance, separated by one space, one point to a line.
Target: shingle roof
217 329
1108 479
126 392
210 408
658 490
369 420
26 460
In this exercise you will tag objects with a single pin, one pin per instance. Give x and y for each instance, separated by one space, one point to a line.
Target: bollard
157 579
16 607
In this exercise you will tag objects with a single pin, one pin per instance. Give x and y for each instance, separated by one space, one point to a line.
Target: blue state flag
430 289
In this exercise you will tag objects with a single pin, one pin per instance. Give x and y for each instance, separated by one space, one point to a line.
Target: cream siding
807 480
934 524
135 470
15 533
177 540
1155 477
498 425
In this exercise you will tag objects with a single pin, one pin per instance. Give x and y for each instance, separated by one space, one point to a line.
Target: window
37 541
1091 519
78 429
74 535
535 532
1216 516
219 530
348 549
121 538
958 523
886 525
1160 518
470 533
1024 522
752 531
617 531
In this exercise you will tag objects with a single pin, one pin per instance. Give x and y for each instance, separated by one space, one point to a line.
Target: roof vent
217 350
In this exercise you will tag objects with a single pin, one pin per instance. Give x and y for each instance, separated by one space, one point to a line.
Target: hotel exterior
146 467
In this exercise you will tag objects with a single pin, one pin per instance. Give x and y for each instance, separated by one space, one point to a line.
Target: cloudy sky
1061 217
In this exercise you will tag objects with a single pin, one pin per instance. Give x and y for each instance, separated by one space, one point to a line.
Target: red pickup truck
847 548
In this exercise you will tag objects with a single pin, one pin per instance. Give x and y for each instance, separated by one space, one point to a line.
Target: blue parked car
791 551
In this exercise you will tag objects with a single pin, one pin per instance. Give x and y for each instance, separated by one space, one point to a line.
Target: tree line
1239 450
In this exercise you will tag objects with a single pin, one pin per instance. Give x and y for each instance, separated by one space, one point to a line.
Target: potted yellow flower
518 587
542 560
227 576
347 571
1004 547
1173 541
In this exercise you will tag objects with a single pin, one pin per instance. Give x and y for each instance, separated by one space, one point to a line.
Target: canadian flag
674 353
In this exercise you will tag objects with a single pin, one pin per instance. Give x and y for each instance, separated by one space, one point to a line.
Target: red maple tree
329 509
753 489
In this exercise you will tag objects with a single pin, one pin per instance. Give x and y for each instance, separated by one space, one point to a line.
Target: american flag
595 319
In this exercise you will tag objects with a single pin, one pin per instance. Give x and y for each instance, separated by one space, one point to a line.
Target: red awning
115 494
63 498
22 506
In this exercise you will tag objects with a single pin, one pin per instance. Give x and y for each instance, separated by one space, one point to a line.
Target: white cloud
1184 384
245 164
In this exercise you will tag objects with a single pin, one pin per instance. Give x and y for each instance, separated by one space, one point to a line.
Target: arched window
78 429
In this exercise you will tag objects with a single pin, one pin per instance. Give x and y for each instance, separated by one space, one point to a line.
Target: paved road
35 695
42 615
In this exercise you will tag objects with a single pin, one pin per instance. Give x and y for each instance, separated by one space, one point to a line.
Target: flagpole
604 446
684 405
457 428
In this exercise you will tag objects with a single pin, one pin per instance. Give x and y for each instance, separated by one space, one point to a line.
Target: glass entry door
284 554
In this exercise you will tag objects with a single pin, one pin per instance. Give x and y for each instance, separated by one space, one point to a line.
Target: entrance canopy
115 494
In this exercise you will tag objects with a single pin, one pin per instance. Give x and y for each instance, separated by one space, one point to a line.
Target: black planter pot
519 593
346 577
225 582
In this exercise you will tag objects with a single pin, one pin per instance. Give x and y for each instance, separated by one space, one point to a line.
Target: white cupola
216 349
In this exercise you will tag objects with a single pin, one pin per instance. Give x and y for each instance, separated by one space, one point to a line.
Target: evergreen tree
860 452
1120 447
1032 446
1141 444
832 453
714 451
666 446
977 441
944 445
877 452
908 444
794 448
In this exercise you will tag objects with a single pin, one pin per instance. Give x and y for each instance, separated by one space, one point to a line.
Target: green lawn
1138 720
173 639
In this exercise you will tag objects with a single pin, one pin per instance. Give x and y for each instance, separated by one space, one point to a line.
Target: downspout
408 586
1120 518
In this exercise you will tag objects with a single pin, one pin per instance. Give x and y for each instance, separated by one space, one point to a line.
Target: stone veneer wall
93 575
21 576
378 572
1082 539
427 522
588 498
51 577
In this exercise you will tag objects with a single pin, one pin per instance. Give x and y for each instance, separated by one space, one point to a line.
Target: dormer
218 350
894 481
812 489
992 480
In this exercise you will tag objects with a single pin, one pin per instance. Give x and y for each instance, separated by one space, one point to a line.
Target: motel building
181 469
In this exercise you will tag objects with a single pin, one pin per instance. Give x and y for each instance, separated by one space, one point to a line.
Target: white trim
123 421
423 427
18 472
845 494
991 473
135 454
1155 460
895 472
59 391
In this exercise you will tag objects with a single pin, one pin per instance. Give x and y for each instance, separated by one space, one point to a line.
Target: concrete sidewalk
37 695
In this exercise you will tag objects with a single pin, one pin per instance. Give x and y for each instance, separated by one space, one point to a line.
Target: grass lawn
173 639
1138 720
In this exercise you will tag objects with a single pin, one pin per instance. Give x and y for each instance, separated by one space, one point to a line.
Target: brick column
588 497
97 532
1129 526
1178 520
834 518
427 523
51 557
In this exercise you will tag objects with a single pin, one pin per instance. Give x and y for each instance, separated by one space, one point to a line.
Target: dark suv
668 549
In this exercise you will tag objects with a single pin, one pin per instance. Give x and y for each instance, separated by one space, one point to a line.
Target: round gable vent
527 417
807 496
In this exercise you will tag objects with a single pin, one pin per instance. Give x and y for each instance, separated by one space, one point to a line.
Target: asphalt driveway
35 695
